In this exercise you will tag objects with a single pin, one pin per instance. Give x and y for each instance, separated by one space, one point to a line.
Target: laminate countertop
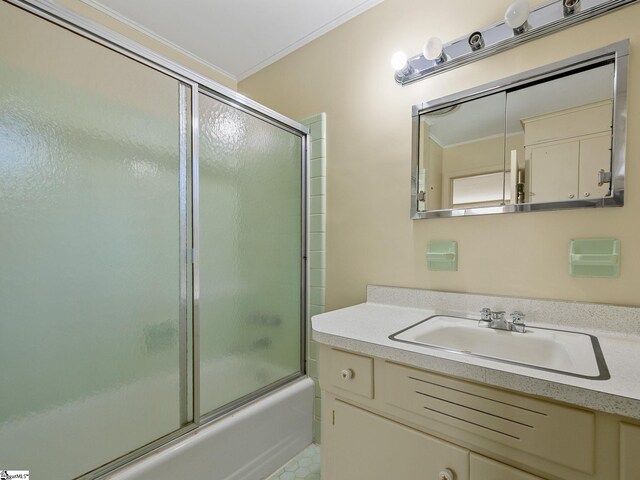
366 328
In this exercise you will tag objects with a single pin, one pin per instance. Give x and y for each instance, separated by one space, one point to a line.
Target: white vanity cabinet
385 420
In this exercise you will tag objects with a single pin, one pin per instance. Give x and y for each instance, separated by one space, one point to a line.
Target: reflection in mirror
551 138
566 127
461 155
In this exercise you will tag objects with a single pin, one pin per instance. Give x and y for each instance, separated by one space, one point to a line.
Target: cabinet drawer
481 468
560 434
350 372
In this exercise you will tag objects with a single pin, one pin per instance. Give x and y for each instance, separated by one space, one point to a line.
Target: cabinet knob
571 195
587 194
347 374
446 474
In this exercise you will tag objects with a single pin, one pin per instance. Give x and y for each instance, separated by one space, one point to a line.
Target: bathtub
249 444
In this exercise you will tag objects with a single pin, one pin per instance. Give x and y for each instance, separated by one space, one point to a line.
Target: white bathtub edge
249 444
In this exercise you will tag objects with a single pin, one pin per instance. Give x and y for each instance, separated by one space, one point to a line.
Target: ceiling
237 37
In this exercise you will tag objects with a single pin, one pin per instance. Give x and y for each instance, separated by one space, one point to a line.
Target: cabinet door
629 449
482 468
595 155
370 447
554 172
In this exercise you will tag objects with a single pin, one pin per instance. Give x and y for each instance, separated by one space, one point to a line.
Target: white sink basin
571 353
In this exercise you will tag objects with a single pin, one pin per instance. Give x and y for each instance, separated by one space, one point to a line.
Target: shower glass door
93 236
145 288
250 253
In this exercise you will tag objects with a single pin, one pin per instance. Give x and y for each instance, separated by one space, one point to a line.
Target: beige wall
370 238
101 18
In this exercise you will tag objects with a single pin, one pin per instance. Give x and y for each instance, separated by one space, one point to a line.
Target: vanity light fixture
521 24
517 15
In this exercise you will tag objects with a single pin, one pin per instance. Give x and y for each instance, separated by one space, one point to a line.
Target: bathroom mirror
548 139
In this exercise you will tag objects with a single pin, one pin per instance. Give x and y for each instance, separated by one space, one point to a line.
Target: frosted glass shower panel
250 253
90 249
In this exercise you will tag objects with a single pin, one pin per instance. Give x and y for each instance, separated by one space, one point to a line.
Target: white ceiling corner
235 38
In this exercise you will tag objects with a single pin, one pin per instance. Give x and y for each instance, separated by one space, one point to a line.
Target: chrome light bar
542 20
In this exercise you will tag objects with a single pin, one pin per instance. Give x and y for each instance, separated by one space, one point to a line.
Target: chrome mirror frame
618 52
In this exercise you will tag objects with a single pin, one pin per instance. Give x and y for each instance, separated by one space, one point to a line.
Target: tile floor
306 465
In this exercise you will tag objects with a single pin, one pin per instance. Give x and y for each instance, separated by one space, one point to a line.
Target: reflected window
480 190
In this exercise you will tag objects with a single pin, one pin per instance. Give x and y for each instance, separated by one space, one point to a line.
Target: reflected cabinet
547 139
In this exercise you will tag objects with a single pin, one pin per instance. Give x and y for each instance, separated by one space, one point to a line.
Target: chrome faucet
497 320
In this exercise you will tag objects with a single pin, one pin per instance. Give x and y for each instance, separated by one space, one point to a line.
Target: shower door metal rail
196 82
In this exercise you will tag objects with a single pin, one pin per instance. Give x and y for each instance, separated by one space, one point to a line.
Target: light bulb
517 15
399 61
432 50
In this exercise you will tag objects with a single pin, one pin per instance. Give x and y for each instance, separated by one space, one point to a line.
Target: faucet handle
485 317
517 323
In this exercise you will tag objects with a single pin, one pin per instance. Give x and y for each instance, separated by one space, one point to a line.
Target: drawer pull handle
347 374
446 474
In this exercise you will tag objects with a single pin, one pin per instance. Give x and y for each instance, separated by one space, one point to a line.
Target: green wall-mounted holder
594 257
442 256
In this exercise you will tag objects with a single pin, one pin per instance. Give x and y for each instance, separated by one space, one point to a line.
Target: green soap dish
594 257
442 256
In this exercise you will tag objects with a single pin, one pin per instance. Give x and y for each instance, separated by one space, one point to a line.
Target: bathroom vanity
398 410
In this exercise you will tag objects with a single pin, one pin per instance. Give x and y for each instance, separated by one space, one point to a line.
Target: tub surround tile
318 148
318 186
316 310
317 431
318 130
317 296
317 260
313 369
317 205
313 350
317 239
317 276
316 244
317 223
365 329
317 168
